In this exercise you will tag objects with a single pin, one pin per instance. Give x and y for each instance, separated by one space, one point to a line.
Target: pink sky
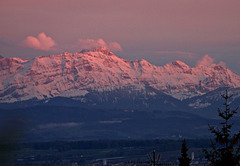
159 31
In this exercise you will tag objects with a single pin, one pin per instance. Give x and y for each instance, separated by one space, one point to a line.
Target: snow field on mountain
72 75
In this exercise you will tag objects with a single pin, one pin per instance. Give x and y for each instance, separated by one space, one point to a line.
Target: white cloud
114 46
41 42
206 61
46 43
96 43
91 43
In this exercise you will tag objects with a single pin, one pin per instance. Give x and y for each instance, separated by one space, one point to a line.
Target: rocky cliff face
77 74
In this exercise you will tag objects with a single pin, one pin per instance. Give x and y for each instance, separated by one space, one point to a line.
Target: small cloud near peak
98 43
206 61
114 46
41 42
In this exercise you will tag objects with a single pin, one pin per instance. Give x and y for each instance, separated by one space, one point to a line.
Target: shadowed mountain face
81 75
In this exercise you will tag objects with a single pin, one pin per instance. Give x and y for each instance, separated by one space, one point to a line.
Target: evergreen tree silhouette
184 160
225 148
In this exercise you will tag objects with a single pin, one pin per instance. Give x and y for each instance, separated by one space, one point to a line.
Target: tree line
225 148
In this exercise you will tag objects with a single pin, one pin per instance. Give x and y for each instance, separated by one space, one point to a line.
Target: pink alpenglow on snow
77 74
221 63
41 42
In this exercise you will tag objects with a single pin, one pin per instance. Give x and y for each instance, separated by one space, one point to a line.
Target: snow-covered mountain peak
180 64
102 49
143 62
100 70
177 67
213 68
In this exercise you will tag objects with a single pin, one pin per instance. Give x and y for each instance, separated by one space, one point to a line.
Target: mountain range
93 94
99 71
